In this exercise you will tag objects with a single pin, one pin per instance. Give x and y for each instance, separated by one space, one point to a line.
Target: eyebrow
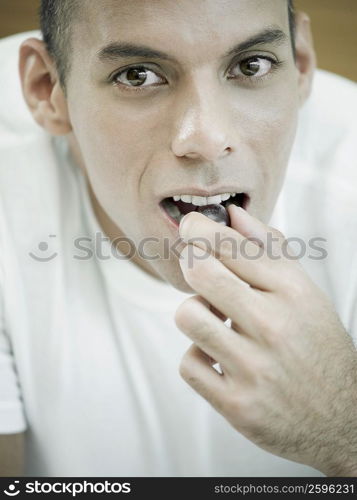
121 50
267 36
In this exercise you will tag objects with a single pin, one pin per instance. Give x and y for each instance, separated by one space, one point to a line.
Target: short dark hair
56 21
292 25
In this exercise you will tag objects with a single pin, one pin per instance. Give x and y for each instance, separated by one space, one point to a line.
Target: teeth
201 201
214 199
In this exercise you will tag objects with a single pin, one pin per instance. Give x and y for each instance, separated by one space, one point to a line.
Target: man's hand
289 368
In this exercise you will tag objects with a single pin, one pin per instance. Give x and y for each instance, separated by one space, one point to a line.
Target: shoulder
322 164
327 126
319 198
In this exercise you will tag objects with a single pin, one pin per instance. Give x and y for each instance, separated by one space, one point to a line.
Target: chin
172 274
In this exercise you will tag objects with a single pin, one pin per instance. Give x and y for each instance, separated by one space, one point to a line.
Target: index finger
246 257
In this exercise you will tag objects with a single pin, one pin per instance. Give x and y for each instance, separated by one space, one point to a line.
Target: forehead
174 26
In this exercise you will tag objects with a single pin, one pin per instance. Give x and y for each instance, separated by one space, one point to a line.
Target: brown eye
136 76
250 67
253 67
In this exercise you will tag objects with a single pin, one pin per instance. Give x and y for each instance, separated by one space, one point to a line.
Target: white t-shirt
89 351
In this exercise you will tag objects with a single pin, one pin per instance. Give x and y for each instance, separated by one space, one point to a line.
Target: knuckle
210 275
251 249
238 407
276 233
185 368
227 248
183 314
291 283
196 269
272 330
260 321
204 333
217 282
275 334
201 331
187 373
191 318
256 368
296 289
262 374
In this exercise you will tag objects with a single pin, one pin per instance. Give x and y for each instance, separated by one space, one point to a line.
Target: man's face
207 118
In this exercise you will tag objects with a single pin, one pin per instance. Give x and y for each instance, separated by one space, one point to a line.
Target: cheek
270 123
119 136
115 149
118 143
105 143
269 131
275 134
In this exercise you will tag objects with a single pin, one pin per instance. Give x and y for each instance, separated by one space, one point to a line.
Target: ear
41 88
305 55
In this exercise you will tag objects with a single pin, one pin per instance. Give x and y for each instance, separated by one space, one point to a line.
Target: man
147 110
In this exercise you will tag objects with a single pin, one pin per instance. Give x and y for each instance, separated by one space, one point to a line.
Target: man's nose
202 127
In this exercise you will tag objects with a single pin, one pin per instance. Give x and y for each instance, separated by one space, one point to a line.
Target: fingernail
237 208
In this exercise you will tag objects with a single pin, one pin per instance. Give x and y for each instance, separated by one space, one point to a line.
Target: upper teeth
201 201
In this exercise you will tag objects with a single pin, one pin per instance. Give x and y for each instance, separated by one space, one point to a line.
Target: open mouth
178 206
